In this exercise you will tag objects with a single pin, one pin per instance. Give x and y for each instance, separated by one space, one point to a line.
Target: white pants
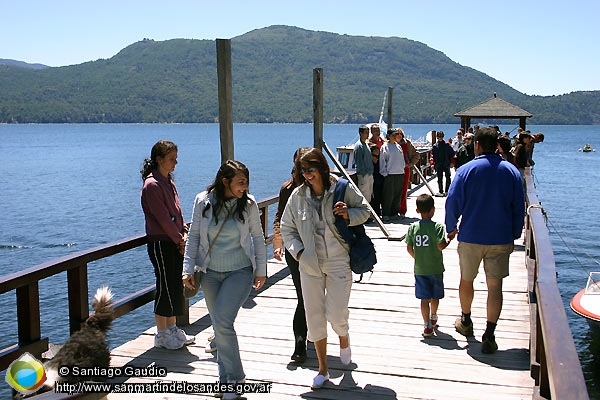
365 184
326 298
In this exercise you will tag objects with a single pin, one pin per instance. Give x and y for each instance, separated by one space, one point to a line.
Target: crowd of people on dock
225 243
383 170
459 150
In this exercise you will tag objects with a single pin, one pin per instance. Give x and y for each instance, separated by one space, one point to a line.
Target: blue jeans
225 292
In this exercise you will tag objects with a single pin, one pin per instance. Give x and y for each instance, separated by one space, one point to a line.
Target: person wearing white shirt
391 166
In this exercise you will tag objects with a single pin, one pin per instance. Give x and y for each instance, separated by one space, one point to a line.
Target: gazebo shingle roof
494 108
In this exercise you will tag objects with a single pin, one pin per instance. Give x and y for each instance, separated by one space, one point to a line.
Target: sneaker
386 219
319 380
187 339
427 332
465 330
434 323
210 347
489 346
169 342
346 355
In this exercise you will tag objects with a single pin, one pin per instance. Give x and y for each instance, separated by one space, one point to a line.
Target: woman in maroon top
167 234
411 158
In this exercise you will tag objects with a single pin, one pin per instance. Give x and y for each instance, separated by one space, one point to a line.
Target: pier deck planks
391 359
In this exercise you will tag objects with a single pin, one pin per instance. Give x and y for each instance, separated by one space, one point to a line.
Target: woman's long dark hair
229 169
314 158
292 181
160 149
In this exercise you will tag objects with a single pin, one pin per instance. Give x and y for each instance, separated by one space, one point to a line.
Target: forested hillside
176 81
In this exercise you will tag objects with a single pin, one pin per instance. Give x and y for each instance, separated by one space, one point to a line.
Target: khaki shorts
495 260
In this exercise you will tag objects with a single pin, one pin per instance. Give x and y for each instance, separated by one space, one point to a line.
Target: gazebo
493 108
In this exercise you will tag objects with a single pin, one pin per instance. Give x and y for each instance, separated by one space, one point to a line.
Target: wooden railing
555 365
26 286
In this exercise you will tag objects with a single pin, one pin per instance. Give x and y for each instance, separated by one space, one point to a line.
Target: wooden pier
390 357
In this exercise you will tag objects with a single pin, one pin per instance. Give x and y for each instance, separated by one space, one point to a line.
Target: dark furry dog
87 347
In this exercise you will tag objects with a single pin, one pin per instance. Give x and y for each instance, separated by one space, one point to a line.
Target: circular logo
26 374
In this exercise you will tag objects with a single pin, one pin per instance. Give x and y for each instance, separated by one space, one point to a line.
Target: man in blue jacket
488 194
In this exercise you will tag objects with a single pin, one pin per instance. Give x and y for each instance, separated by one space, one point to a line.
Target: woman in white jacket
226 242
391 165
309 234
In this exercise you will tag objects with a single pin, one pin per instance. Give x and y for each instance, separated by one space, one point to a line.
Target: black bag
362 250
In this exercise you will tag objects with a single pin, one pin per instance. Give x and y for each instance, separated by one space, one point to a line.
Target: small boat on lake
587 148
587 302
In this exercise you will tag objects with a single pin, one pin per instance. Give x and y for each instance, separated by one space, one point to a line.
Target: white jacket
252 238
298 223
391 159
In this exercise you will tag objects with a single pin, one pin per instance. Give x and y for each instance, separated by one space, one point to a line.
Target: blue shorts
429 286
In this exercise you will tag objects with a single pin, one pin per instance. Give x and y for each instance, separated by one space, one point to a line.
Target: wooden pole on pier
318 107
225 98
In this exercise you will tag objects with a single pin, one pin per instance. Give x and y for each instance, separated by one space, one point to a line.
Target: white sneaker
210 347
346 354
169 342
319 380
179 333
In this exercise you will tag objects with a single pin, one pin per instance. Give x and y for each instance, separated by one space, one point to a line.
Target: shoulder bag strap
219 232
338 195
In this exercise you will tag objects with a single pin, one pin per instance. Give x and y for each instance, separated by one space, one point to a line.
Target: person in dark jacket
521 152
504 146
465 152
442 157
299 324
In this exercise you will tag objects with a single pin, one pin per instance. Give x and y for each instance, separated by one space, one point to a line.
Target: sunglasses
310 170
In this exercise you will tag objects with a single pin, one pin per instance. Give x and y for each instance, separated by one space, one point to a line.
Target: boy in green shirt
425 241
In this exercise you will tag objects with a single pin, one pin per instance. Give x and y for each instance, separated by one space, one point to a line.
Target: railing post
79 310
264 220
183 320
28 313
544 379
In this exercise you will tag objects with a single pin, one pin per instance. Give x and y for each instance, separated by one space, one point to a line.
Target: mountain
22 64
272 68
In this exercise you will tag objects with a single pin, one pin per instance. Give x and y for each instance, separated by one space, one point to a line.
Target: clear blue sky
538 47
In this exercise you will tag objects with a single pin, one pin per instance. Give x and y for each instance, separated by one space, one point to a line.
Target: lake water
67 188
